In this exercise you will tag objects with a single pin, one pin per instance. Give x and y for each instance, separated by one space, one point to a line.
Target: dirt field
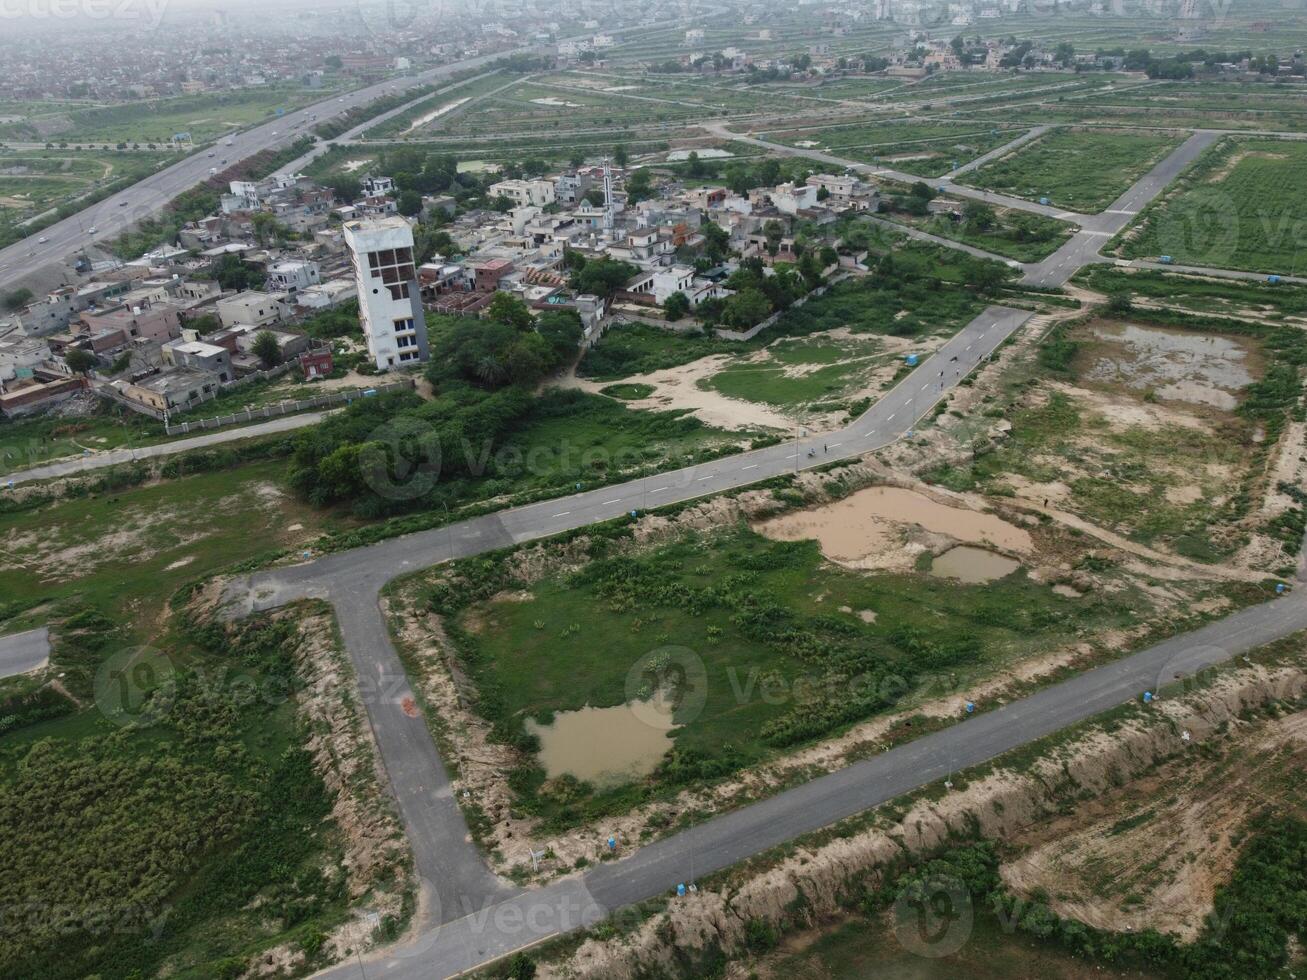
805 382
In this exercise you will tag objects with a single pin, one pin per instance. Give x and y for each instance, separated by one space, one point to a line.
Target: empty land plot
430 115
34 180
749 608
844 88
1080 169
928 149
1160 433
534 106
1245 97
1199 294
1241 206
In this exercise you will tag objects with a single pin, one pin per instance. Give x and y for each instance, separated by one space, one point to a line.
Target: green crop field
1239 207
200 833
1080 170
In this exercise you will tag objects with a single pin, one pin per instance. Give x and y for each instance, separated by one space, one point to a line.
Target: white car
92 230
42 240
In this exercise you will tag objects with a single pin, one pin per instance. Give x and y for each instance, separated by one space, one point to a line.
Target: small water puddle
972 565
606 746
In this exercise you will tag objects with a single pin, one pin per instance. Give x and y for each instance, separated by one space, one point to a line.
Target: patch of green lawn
827 370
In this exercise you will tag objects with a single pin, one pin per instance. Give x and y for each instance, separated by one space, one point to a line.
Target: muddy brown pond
606 746
972 565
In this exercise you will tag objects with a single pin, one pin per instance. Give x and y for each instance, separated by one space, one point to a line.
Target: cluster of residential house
164 333
523 249
166 336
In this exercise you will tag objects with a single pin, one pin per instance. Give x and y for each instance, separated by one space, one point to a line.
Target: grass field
752 611
1239 207
797 373
1081 170
34 182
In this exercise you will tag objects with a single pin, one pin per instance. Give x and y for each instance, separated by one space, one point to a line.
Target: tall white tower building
390 302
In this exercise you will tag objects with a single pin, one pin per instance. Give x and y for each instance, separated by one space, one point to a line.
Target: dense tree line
394 453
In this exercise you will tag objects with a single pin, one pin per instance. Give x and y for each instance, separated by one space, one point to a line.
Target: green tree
232 273
79 361
746 308
409 203
620 155
676 306
603 277
266 348
509 310
267 229
978 215
16 299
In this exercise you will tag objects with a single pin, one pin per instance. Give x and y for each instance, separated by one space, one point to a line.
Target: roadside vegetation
1013 234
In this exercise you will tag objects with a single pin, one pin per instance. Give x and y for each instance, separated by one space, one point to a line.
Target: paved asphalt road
115 214
21 652
445 859
1097 230
74 465
481 931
